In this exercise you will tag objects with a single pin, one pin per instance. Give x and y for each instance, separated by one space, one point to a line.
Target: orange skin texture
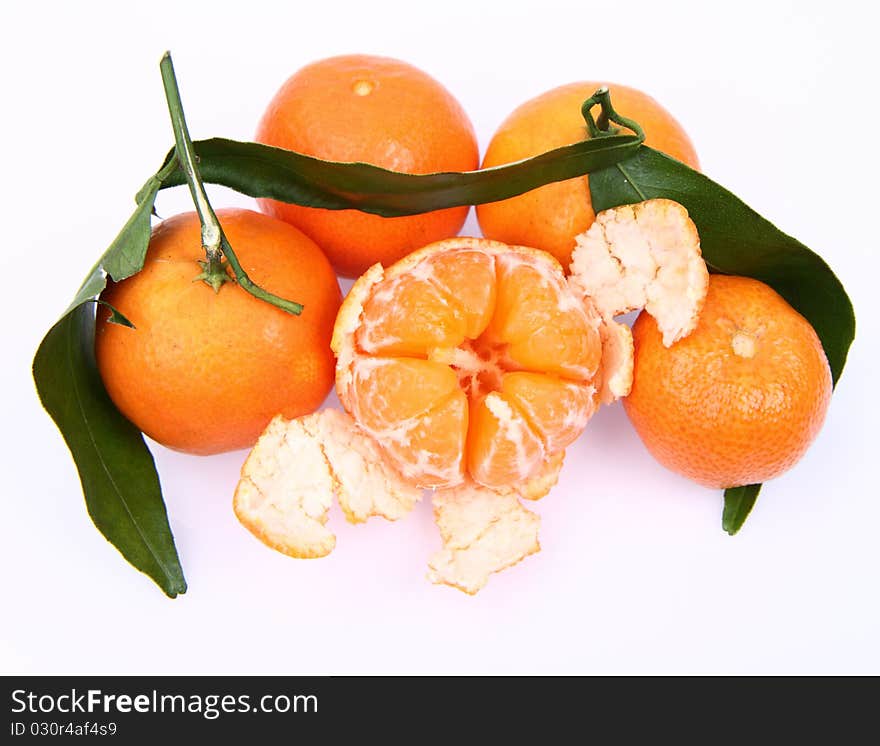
205 372
723 418
374 110
551 216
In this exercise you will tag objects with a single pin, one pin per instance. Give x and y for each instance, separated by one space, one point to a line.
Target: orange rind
647 256
285 490
483 532
290 476
616 373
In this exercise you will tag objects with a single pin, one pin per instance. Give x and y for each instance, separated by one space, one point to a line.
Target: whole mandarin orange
551 216
204 372
739 400
375 110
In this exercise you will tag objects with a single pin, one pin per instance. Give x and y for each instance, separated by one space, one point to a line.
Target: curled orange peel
647 256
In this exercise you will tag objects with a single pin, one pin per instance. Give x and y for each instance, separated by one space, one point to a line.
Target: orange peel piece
616 373
365 484
645 255
289 478
285 491
483 532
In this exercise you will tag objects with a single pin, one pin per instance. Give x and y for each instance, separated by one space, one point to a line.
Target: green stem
214 241
602 98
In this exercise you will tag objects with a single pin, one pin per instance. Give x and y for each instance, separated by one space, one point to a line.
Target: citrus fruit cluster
464 365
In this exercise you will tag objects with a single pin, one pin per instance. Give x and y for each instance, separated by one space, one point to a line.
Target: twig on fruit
214 241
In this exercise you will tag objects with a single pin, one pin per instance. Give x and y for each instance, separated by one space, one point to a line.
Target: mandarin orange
469 359
739 400
551 216
375 110
205 372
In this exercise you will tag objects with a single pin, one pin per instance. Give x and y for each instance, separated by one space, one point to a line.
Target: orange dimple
468 358
558 410
544 327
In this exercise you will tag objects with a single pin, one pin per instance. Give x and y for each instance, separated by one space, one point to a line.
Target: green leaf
736 240
115 317
117 472
118 476
262 171
738 503
125 256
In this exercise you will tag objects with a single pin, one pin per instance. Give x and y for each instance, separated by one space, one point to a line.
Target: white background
635 575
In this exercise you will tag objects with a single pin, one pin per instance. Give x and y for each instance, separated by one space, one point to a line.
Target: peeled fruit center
479 366
474 361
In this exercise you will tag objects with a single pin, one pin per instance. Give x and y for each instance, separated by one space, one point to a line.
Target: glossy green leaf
117 473
118 476
262 171
738 503
125 256
736 240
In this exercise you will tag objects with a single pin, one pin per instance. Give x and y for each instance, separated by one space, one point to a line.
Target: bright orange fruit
739 400
205 372
551 216
375 110
468 357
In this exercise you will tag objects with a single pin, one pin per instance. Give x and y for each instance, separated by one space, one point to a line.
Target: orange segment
430 448
544 326
502 448
558 410
468 278
468 358
408 315
394 389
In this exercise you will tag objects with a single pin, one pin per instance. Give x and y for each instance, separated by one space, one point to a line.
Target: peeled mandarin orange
468 358
469 367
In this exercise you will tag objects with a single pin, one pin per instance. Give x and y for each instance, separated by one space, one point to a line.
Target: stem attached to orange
214 241
601 128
